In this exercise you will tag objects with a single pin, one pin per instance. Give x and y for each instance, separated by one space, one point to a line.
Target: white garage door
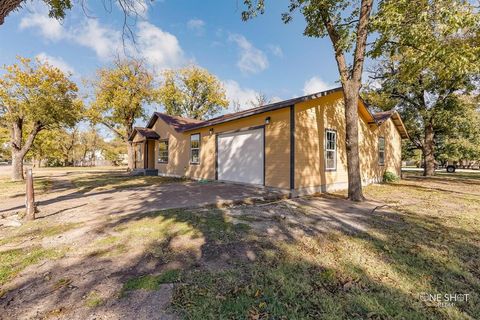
240 156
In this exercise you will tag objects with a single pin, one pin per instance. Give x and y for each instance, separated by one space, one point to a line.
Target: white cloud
252 60
105 41
196 25
38 19
275 50
315 84
57 62
238 95
159 48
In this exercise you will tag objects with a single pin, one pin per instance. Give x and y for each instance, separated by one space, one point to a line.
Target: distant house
297 144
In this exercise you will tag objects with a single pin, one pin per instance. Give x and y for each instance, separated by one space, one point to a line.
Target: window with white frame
195 148
163 151
330 149
381 151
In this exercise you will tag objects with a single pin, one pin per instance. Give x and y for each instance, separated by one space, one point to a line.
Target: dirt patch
122 261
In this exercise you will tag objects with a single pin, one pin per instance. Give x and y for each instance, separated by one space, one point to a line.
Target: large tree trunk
130 153
17 165
19 150
351 98
7 6
428 151
351 80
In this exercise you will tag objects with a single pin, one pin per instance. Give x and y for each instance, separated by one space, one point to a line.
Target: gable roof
381 117
179 124
144 132
258 110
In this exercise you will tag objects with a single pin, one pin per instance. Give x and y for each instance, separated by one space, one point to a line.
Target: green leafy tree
4 139
192 92
35 96
345 23
120 95
45 149
91 144
429 59
114 151
461 142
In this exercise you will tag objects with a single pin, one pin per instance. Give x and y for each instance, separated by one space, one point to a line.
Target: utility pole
30 197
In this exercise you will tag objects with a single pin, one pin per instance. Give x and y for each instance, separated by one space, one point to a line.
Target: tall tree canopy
429 61
35 96
120 94
346 23
192 92
461 142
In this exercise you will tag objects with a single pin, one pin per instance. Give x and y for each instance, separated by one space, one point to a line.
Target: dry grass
425 240
110 181
12 189
427 243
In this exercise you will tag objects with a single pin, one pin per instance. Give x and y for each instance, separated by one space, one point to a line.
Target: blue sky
262 55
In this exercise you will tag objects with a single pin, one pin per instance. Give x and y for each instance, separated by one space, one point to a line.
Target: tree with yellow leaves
120 94
35 96
192 92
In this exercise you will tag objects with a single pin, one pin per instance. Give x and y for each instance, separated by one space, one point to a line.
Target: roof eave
263 109
402 126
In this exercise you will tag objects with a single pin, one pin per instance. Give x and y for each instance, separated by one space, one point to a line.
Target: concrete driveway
65 198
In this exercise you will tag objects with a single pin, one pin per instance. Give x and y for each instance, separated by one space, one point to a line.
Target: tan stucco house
296 145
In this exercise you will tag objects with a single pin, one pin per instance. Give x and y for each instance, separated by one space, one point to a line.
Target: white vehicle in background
452 166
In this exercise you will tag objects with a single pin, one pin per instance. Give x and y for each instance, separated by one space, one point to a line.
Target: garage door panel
240 156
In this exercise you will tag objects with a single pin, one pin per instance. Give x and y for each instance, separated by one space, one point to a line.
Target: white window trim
334 168
199 147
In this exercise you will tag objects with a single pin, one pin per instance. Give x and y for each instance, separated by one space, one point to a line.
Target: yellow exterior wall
178 150
311 119
369 164
277 148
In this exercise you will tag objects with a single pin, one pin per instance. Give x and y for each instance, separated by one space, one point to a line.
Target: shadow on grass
224 269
